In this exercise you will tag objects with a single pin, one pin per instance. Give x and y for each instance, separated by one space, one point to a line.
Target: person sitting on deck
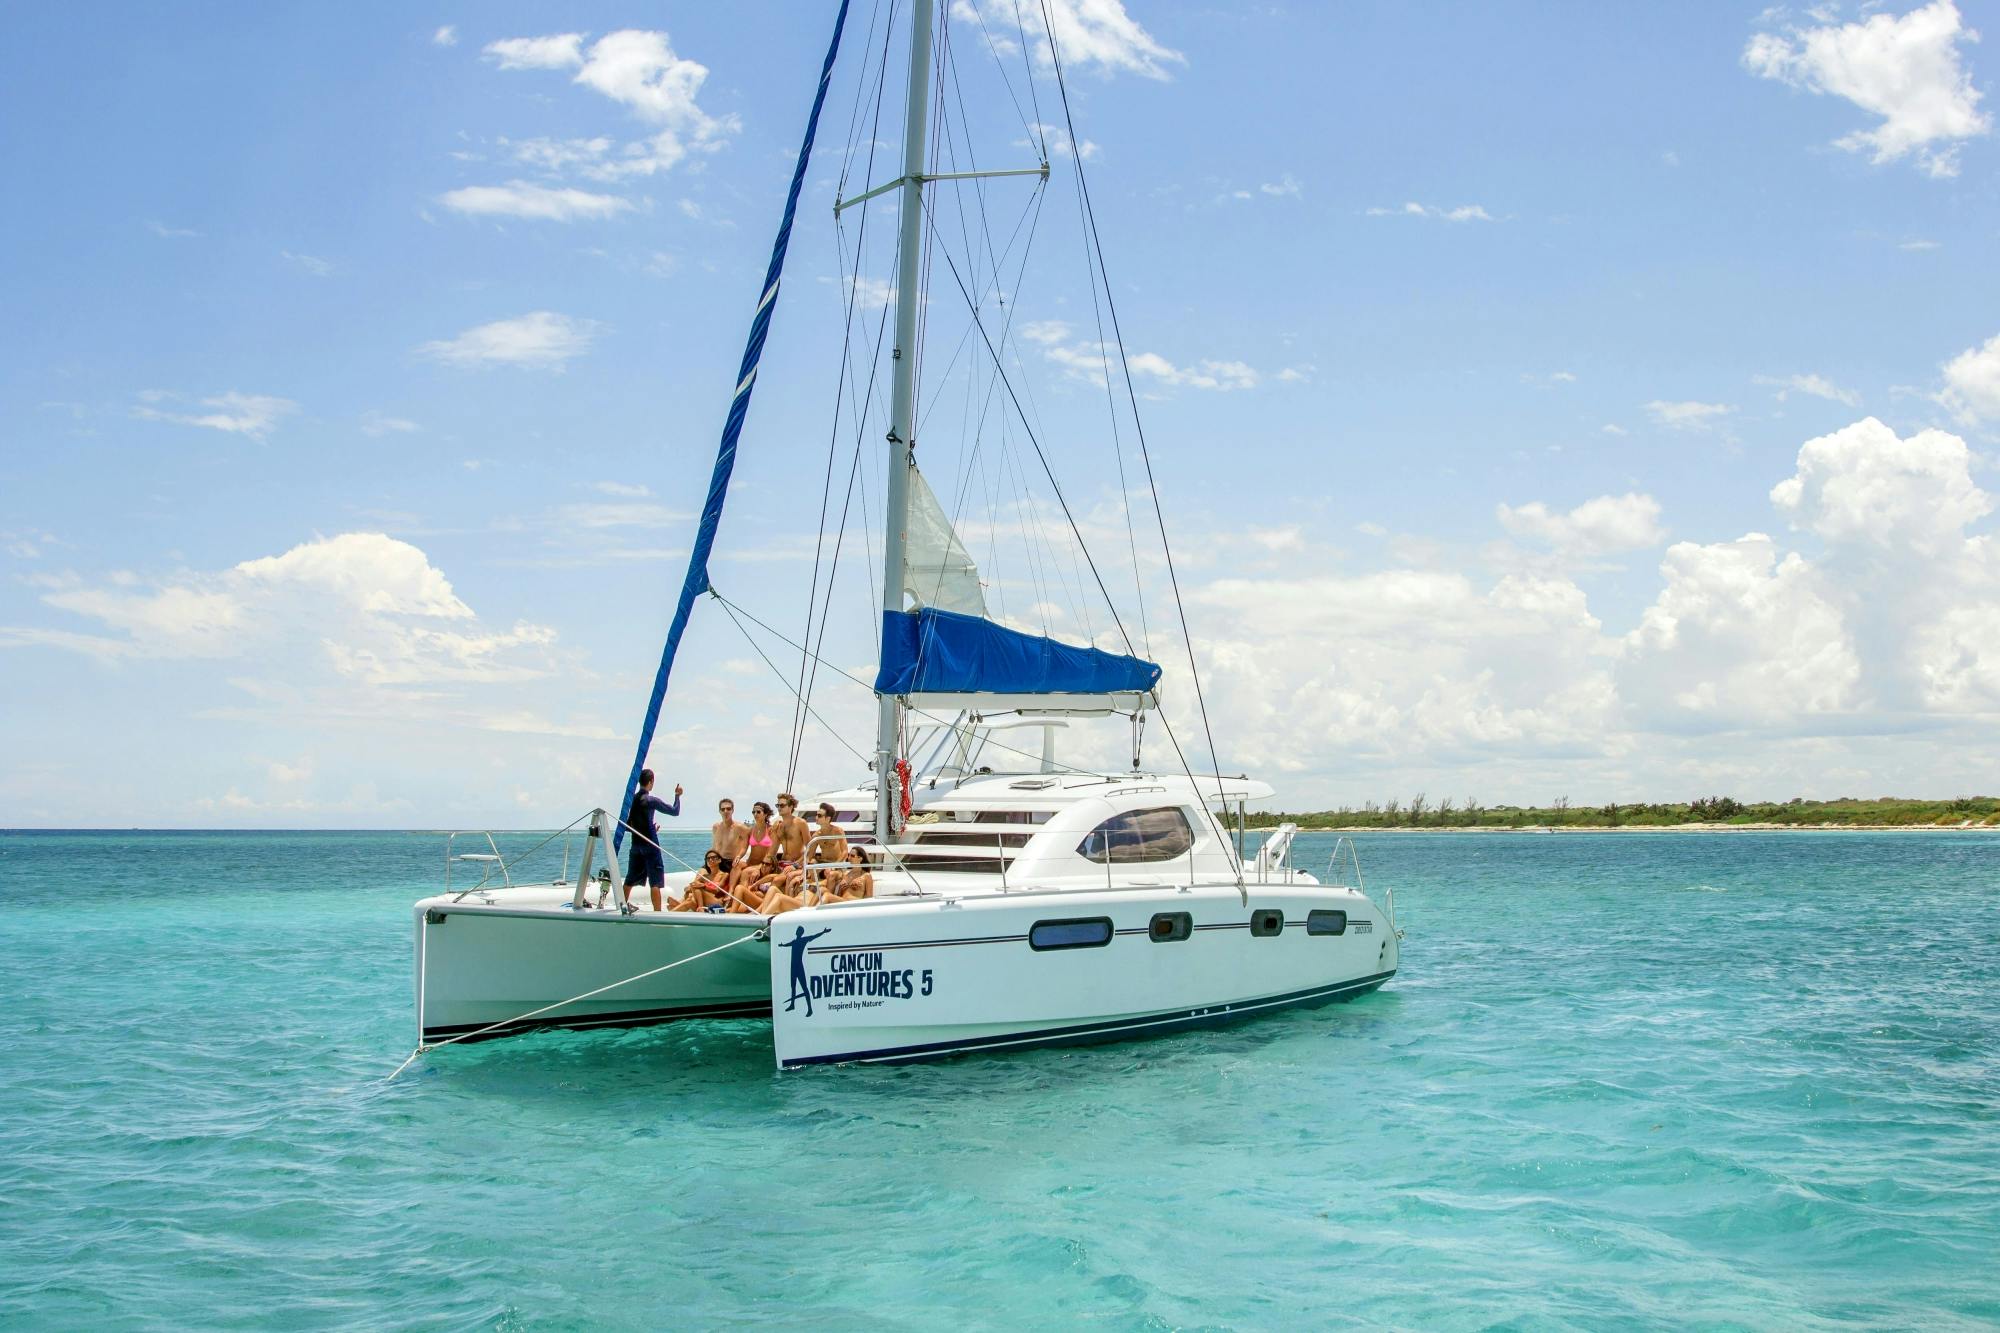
709 887
646 865
857 881
829 847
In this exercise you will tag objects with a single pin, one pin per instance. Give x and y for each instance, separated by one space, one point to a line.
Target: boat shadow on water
692 1060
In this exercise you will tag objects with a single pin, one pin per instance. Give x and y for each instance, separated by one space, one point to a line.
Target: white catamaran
1017 900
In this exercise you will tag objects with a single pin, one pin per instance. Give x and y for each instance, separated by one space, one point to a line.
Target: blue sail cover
732 430
942 652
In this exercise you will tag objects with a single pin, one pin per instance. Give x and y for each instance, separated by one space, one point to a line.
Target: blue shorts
646 867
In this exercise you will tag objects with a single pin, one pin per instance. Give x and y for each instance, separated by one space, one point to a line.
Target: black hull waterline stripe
1084 1032
627 1019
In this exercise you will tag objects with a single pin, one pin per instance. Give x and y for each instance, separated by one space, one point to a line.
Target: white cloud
1057 140
1920 246
1863 486
525 199
1088 360
1286 187
1739 635
236 413
542 338
624 489
561 51
1596 527
1819 386
375 423
640 70
312 264
445 36
166 233
359 610
1688 415
1972 383
1907 70
1095 34
1462 213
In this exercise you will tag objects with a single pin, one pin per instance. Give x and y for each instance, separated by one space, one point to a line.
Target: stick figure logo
797 944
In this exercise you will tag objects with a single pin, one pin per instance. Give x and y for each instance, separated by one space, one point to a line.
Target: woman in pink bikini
755 862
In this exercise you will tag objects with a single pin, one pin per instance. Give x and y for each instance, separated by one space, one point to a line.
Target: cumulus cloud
525 199
1089 34
445 36
1864 485
1739 634
235 413
361 608
542 339
1909 71
1972 383
1601 526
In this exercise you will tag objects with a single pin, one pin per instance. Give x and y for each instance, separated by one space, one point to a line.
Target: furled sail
934 651
697 582
936 569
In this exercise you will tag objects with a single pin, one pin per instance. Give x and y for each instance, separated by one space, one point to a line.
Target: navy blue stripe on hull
635 1018
1111 1030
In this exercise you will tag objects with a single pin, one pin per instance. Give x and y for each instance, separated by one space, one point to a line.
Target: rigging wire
729 609
1132 395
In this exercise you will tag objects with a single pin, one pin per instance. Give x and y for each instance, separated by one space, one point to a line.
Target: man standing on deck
647 866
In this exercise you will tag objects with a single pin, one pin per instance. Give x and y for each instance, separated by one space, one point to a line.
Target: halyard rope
423 1047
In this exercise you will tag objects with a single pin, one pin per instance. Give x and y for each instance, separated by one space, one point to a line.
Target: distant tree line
1421 811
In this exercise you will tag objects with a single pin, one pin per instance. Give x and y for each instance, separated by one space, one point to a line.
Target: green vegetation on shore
1421 812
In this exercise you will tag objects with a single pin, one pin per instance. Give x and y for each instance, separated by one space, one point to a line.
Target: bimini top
934 651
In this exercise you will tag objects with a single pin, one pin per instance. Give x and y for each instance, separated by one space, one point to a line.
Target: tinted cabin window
1138 836
1326 923
1269 921
1088 932
1170 926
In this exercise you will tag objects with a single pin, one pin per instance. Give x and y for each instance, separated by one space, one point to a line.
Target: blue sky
1599 404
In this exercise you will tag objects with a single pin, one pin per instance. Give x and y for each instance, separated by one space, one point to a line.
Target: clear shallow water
1740 1079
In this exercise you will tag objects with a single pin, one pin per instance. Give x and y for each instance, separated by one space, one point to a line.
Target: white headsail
937 571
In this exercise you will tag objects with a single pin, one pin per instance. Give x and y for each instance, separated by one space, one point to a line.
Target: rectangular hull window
1170 926
1090 932
1326 923
1269 921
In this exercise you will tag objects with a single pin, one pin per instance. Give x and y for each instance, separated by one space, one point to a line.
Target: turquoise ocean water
1623 1080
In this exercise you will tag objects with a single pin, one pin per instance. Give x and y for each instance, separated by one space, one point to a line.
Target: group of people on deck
761 867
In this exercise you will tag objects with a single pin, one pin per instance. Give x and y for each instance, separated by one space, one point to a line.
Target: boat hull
513 962
899 982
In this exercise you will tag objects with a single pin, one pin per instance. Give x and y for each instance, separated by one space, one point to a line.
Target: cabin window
1088 932
1170 926
1138 836
1267 921
1326 923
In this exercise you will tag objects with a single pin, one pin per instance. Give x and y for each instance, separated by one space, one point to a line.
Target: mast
902 410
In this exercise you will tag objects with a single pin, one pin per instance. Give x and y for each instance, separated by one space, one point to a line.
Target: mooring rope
423 1047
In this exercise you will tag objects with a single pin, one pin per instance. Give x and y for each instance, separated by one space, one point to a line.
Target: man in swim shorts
646 865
